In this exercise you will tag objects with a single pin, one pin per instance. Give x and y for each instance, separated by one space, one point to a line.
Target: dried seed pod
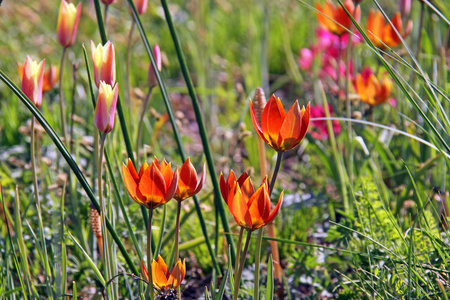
259 103
96 227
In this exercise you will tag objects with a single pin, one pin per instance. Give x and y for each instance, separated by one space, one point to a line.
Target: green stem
70 161
275 172
72 111
161 235
149 256
237 283
257 262
201 125
238 255
106 254
128 64
180 146
177 242
61 97
119 108
141 123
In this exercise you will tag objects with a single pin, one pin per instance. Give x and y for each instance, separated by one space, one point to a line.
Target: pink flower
306 59
106 107
32 77
104 63
108 2
404 6
319 129
68 19
141 6
151 77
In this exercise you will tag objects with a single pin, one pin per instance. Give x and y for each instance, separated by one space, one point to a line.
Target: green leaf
270 282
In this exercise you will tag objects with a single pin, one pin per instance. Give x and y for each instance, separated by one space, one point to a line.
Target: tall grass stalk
61 96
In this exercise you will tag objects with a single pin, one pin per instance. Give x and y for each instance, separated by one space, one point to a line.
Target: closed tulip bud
152 81
108 2
106 107
50 78
68 19
141 6
404 6
188 182
104 63
32 78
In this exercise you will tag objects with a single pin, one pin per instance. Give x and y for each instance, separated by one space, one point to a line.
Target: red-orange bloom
280 130
370 89
382 34
162 279
335 19
155 184
250 208
188 183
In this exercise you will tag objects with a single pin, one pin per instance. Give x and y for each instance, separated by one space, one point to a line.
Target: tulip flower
335 19
250 208
155 184
108 2
280 130
141 6
104 63
162 279
404 6
32 78
68 19
188 182
106 107
50 78
382 34
370 89
152 81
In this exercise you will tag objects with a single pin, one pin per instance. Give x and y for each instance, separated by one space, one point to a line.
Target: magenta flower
306 59
151 77
319 129
106 107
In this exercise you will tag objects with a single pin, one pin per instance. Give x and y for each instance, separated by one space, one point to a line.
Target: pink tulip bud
108 2
68 19
152 81
141 6
104 63
306 59
106 107
404 6
32 77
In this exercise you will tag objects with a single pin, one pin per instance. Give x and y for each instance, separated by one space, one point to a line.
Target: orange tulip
226 186
370 89
162 279
280 130
68 19
382 34
155 184
335 19
188 184
250 208
32 77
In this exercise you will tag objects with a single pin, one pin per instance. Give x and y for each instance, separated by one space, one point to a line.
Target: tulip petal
276 209
291 128
152 186
201 181
259 207
130 182
238 207
256 123
159 276
272 120
172 187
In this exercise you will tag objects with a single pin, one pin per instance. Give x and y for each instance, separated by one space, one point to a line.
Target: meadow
224 149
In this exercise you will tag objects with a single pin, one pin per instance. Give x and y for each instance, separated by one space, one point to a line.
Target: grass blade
270 283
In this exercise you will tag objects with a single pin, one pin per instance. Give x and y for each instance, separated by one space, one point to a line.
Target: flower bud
106 107
152 81
104 63
32 77
68 19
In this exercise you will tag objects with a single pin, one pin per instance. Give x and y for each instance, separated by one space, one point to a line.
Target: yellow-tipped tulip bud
106 107
68 19
32 77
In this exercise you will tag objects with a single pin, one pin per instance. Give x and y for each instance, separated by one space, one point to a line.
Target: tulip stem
275 172
61 98
72 111
106 254
177 243
241 266
238 255
141 123
257 262
128 64
150 293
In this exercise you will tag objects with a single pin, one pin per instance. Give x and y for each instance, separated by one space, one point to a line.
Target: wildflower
404 6
162 279
319 128
68 19
382 34
188 183
155 184
152 81
306 59
370 89
250 208
141 6
335 19
108 2
104 63
32 78
280 130
106 107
